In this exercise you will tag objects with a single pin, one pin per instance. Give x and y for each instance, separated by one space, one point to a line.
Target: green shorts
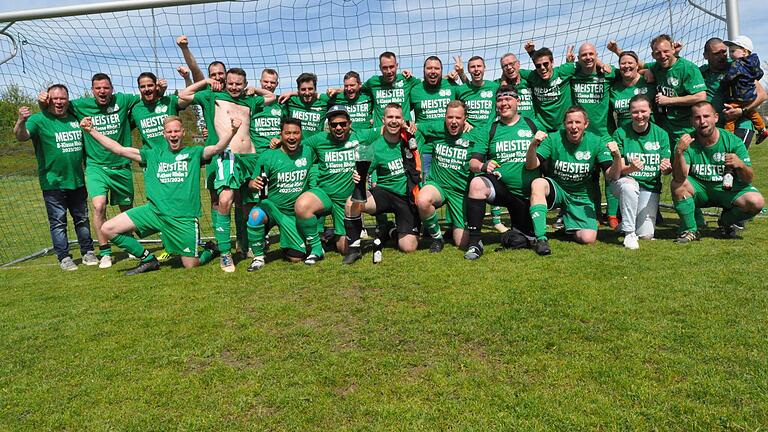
456 203
706 195
578 209
289 233
113 182
180 234
334 207
234 170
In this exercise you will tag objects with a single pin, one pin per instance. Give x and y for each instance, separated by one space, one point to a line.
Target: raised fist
182 41
86 124
539 137
183 71
24 113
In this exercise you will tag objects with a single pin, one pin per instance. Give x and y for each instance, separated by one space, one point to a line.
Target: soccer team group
529 142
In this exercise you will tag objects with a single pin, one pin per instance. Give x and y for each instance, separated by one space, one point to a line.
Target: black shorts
406 215
517 206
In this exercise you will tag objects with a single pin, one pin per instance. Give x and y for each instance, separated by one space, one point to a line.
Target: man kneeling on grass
172 181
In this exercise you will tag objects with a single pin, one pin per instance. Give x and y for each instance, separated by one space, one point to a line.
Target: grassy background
668 337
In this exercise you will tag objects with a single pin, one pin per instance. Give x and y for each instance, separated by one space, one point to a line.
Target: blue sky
313 49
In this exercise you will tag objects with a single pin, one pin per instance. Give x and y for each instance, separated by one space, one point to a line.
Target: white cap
741 41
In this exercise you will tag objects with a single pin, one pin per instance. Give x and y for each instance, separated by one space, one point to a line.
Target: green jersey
312 115
429 102
707 164
572 165
112 121
683 78
450 157
58 143
591 91
619 100
287 175
172 179
204 99
336 160
148 119
651 147
480 101
387 166
399 92
360 109
508 148
551 97
265 125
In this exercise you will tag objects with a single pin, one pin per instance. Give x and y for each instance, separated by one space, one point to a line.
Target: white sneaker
105 262
226 264
90 259
68 264
630 241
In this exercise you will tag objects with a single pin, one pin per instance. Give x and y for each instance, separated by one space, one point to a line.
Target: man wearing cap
498 156
334 154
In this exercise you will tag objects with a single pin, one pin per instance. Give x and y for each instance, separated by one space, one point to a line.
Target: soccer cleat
613 222
256 264
226 263
144 267
352 255
437 245
474 252
364 234
631 241
542 247
687 237
90 259
68 264
213 247
313 259
105 262
558 225
163 256
377 253
762 136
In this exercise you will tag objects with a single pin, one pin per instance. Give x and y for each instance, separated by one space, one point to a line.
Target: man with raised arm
307 106
285 171
498 157
711 167
568 157
58 143
551 87
172 178
389 87
478 94
390 195
147 116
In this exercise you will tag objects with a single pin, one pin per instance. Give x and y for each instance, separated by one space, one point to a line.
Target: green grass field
596 337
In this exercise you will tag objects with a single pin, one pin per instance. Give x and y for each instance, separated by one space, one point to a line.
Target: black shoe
213 247
144 267
729 232
437 245
686 237
474 252
352 255
542 247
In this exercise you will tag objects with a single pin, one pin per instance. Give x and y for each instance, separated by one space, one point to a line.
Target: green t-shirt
551 97
112 121
387 166
591 91
399 92
287 175
651 147
172 179
480 101
450 157
204 99
508 148
682 79
707 164
570 165
360 109
429 102
312 115
58 143
148 119
265 125
336 160
619 100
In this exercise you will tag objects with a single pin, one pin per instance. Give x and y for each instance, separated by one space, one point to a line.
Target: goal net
326 37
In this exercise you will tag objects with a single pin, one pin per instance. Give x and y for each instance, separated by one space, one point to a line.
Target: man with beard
389 87
265 122
147 116
359 105
307 105
712 168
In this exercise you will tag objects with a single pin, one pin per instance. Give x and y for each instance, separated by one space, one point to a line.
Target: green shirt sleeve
694 80
545 148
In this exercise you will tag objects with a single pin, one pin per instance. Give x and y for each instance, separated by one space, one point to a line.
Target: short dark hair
640 98
457 104
476 57
576 109
270 71
216 63
507 88
393 105
100 76
433 57
661 38
387 54
58 86
306 76
704 103
352 74
542 52
149 75
237 71
289 121
711 41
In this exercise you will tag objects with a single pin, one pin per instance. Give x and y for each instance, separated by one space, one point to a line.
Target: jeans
57 202
638 207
